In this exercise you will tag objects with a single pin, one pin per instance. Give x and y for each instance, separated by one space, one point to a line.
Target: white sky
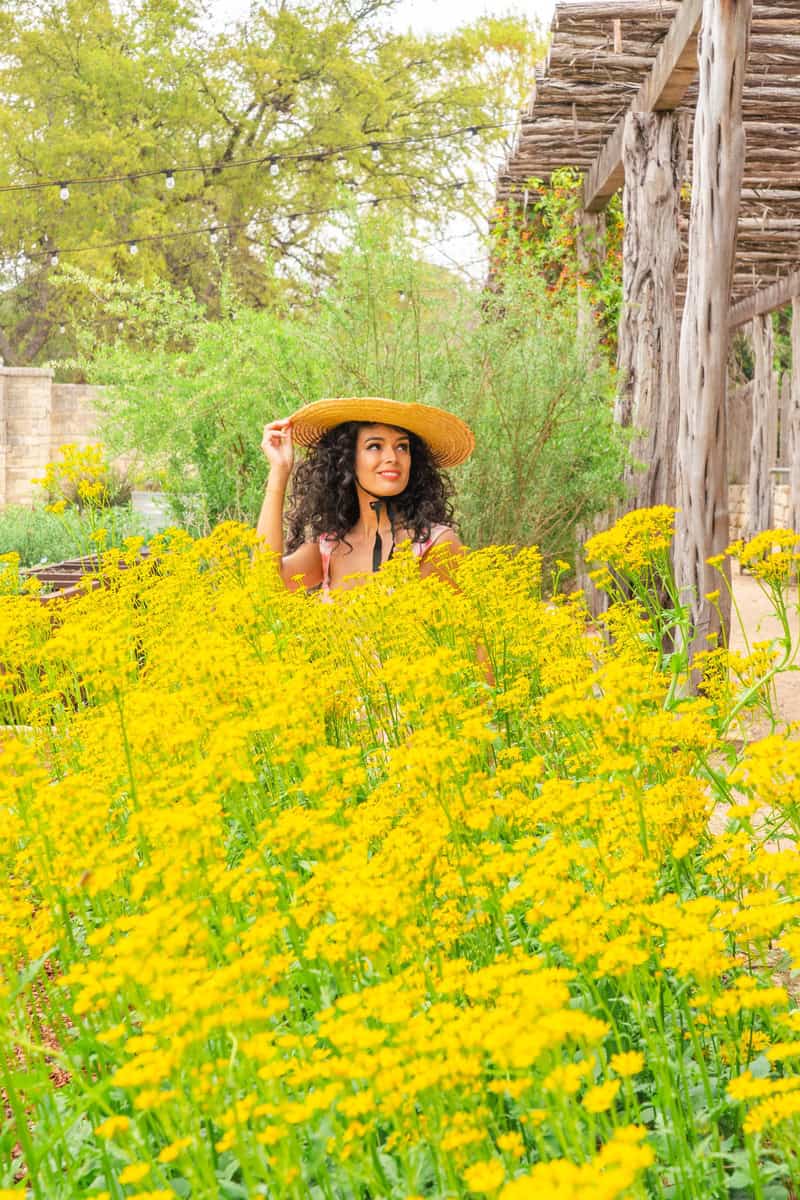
461 245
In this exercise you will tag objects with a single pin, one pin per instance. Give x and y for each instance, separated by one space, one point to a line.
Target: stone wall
36 417
737 506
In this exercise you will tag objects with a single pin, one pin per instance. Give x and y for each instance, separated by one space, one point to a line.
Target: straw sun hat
448 438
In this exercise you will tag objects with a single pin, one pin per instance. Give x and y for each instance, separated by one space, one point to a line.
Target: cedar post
758 478
794 422
718 159
654 155
590 246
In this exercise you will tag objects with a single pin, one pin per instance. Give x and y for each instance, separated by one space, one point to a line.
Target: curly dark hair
324 499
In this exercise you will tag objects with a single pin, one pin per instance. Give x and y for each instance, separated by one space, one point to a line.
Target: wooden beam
664 87
766 301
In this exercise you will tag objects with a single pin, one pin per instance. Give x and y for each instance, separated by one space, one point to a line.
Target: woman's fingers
277 439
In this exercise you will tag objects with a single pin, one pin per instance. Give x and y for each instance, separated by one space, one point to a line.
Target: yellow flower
627 1063
134 1172
600 1098
112 1126
485 1177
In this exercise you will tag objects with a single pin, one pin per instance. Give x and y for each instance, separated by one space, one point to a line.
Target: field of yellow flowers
297 904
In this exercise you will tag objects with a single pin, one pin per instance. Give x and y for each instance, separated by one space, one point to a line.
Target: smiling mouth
389 474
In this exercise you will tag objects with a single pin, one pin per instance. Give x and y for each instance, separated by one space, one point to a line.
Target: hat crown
449 439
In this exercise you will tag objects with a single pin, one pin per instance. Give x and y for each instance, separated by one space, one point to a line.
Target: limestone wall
737 505
36 417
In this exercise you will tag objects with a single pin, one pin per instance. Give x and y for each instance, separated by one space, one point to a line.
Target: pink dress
328 540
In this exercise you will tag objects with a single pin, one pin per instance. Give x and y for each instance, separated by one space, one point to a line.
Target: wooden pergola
693 109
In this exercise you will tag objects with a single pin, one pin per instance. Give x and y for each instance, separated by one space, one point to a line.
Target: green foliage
548 454
39 536
541 229
88 89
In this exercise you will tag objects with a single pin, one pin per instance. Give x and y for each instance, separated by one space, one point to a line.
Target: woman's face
383 459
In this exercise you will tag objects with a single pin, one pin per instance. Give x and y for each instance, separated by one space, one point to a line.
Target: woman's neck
369 517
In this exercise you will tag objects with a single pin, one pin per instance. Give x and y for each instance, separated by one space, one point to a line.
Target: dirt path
762 625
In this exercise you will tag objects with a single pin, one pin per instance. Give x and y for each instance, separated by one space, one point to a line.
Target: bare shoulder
440 557
305 561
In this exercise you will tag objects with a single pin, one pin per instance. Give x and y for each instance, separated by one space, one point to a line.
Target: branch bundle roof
599 55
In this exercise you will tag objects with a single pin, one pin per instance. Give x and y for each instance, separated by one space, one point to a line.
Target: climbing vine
540 226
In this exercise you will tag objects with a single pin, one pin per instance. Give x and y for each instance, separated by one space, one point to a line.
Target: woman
371 480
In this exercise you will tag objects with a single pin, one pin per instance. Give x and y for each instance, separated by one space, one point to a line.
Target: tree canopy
335 107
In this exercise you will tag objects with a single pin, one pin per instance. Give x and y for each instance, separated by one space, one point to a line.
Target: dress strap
435 532
326 543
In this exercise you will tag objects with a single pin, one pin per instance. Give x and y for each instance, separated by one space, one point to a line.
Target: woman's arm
441 557
306 560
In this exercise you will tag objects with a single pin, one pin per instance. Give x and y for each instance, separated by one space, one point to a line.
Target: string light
272 159
214 231
274 168
169 180
54 258
376 151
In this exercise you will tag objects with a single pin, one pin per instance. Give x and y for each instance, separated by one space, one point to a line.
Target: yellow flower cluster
635 540
80 475
298 905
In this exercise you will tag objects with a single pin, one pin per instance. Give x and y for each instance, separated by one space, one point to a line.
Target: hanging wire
214 230
273 159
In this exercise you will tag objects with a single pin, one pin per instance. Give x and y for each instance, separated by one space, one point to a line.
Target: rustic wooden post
740 429
794 422
654 155
717 162
590 246
758 478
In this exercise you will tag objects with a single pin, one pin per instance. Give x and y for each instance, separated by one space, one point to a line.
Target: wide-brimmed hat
448 438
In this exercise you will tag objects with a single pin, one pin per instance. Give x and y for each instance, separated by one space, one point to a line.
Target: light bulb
62 329
376 151
473 131
134 249
169 181
120 326
63 191
401 296
54 259
213 234
273 167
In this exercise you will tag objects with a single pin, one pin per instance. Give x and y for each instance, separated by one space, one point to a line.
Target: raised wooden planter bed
63 580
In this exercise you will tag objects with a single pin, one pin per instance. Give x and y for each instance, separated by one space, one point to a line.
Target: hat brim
449 439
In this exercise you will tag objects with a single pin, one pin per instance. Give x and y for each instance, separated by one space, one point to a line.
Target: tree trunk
794 422
718 159
758 478
654 154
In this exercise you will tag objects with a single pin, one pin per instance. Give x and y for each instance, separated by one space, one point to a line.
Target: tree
333 106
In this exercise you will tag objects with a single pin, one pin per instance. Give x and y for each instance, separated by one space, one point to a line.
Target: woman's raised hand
277 445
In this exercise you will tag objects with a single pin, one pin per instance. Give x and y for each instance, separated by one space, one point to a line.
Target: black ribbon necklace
377 547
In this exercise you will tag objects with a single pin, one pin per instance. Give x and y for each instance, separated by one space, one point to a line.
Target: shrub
41 536
548 453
